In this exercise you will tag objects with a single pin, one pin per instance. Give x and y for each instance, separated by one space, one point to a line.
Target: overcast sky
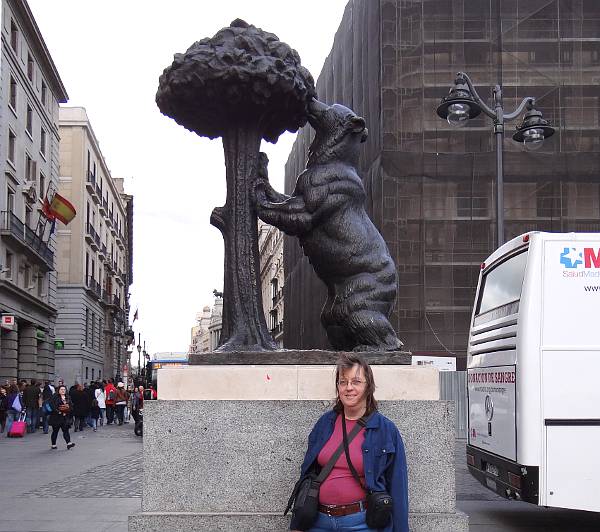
109 55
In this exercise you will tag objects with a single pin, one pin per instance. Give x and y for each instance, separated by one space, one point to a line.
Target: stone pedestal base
231 465
205 522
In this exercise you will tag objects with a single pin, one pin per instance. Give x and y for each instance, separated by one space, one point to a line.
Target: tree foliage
241 75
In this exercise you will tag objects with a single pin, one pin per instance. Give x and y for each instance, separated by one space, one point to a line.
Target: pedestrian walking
365 487
47 394
137 402
15 406
121 401
101 400
111 394
60 419
31 398
3 407
81 407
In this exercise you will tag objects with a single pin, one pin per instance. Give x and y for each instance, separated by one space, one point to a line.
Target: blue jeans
11 415
32 419
347 523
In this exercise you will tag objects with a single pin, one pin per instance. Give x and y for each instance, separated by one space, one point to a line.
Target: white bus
533 371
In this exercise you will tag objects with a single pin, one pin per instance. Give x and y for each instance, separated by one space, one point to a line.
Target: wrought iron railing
15 227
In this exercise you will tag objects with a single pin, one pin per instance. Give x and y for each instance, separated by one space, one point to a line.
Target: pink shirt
340 487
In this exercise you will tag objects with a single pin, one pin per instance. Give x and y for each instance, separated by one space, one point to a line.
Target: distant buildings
207 331
200 342
94 261
270 248
30 91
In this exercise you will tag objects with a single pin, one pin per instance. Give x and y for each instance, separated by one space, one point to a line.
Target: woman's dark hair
61 386
348 361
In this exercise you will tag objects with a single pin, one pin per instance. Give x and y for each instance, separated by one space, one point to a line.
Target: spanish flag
59 208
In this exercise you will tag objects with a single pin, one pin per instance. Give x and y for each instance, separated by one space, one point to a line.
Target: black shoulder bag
305 496
379 503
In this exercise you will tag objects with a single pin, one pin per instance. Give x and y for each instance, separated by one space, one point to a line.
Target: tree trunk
244 325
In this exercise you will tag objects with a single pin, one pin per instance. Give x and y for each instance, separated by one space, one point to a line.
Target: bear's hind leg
372 331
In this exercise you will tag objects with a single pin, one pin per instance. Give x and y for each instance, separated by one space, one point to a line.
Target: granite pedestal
230 465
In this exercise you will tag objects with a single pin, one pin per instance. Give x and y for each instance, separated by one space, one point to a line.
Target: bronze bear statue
326 212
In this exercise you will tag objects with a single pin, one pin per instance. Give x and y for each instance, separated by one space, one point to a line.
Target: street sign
59 343
8 322
40 335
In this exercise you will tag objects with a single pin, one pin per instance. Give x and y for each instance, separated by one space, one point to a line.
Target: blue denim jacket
384 461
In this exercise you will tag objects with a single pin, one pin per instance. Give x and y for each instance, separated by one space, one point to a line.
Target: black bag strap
347 440
338 452
334 458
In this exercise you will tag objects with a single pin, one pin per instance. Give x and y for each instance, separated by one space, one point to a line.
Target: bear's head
338 133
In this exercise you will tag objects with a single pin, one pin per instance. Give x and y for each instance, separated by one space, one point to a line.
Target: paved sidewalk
93 487
97 485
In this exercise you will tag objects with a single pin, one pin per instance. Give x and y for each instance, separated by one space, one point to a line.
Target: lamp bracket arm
484 107
528 103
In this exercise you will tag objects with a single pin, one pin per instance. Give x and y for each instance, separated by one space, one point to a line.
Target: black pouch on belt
379 503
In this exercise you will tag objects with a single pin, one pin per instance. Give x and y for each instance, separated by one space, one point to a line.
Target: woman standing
81 406
15 406
121 401
373 465
101 398
60 417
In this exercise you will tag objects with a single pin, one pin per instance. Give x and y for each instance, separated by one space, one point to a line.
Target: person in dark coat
81 407
60 418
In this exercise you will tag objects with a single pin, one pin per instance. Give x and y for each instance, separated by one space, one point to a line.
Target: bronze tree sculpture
243 85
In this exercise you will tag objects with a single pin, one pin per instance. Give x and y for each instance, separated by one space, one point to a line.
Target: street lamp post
463 103
139 350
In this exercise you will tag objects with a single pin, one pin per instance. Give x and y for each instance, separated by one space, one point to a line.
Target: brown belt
336 510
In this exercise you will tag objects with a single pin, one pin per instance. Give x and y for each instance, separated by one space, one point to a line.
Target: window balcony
102 252
277 330
93 287
14 230
90 183
91 237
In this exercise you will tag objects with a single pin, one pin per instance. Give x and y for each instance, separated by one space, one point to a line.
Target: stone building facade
94 261
270 248
431 188
207 331
200 342
30 93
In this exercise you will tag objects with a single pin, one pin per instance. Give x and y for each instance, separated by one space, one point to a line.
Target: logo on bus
573 258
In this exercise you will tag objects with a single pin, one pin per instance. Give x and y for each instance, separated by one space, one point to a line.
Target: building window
87 369
99 374
87 265
8 264
44 93
10 200
30 168
12 141
42 189
14 35
12 94
27 277
92 373
93 331
30 67
87 326
29 124
40 285
43 142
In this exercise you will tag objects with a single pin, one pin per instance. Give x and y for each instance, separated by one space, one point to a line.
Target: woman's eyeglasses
342 383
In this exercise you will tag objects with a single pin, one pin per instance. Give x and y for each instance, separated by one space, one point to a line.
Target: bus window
503 284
